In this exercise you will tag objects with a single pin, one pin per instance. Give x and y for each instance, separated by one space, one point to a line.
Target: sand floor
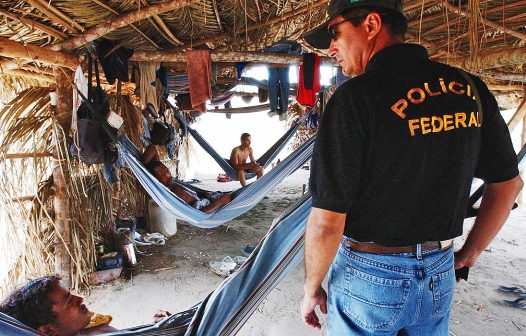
175 276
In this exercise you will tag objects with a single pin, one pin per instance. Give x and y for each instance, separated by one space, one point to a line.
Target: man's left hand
309 304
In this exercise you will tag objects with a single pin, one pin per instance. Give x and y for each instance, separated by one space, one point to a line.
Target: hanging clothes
199 68
307 96
114 60
278 88
81 82
147 75
240 66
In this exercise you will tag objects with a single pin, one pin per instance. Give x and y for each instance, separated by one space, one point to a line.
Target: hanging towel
199 68
147 92
305 95
82 84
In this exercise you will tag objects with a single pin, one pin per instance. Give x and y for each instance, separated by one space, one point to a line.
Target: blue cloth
226 309
278 89
390 294
240 66
244 199
284 47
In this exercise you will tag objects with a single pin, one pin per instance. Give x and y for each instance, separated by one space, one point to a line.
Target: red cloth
199 68
308 96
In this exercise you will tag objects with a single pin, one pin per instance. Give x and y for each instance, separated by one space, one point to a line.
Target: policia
395 155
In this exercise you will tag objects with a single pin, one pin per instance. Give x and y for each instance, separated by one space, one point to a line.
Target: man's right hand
309 304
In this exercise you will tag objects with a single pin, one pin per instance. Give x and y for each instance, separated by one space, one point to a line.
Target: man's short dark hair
244 136
392 20
31 304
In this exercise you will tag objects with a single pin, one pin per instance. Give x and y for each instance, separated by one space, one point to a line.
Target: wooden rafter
486 22
45 9
34 24
30 52
218 18
514 77
257 25
131 25
517 117
121 21
163 28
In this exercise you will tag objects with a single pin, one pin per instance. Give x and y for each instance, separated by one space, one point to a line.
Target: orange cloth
199 68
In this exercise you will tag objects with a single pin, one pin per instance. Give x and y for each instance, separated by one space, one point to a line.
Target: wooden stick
11 156
493 59
36 25
55 18
121 21
30 74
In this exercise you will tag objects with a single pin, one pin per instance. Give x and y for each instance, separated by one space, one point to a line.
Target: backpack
92 141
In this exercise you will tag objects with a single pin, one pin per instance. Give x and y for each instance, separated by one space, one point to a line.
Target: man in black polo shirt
398 147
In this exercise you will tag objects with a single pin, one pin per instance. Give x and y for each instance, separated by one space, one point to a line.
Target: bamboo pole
522 199
30 52
61 204
121 21
225 56
519 114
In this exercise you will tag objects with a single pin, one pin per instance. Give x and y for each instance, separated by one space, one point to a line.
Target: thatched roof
453 31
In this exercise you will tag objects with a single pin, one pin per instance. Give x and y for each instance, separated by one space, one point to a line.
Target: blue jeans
390 294
278 89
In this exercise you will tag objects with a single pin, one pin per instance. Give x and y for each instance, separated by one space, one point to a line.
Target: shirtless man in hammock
205 201
238 159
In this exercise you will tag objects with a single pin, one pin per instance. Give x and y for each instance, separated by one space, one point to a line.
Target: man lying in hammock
238 159
205 201
46 305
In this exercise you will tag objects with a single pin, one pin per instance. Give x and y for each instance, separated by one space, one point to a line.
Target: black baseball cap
319 37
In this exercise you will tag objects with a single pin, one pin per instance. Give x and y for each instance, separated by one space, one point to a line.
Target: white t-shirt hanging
82 84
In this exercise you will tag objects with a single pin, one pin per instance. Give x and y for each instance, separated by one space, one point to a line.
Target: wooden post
62 220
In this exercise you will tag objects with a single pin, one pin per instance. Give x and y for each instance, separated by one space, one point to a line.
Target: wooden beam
30 74
121 21
35 25
131 25
54 17
486 22
494 59
504 87
503 76
256 25
30 52
226 56
163 28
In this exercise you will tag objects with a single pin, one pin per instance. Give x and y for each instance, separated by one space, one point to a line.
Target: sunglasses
332 28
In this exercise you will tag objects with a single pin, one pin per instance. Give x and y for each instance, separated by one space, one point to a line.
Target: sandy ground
175 276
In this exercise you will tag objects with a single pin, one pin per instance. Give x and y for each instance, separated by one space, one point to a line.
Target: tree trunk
62 219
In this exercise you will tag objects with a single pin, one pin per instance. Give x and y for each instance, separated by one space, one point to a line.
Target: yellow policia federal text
435 124
444 123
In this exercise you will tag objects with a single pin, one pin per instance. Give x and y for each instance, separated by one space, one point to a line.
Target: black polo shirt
398 147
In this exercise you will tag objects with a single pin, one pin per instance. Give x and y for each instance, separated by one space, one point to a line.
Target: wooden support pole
62 219
519 114
226 56
121 21
12 156
31 52
522 196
